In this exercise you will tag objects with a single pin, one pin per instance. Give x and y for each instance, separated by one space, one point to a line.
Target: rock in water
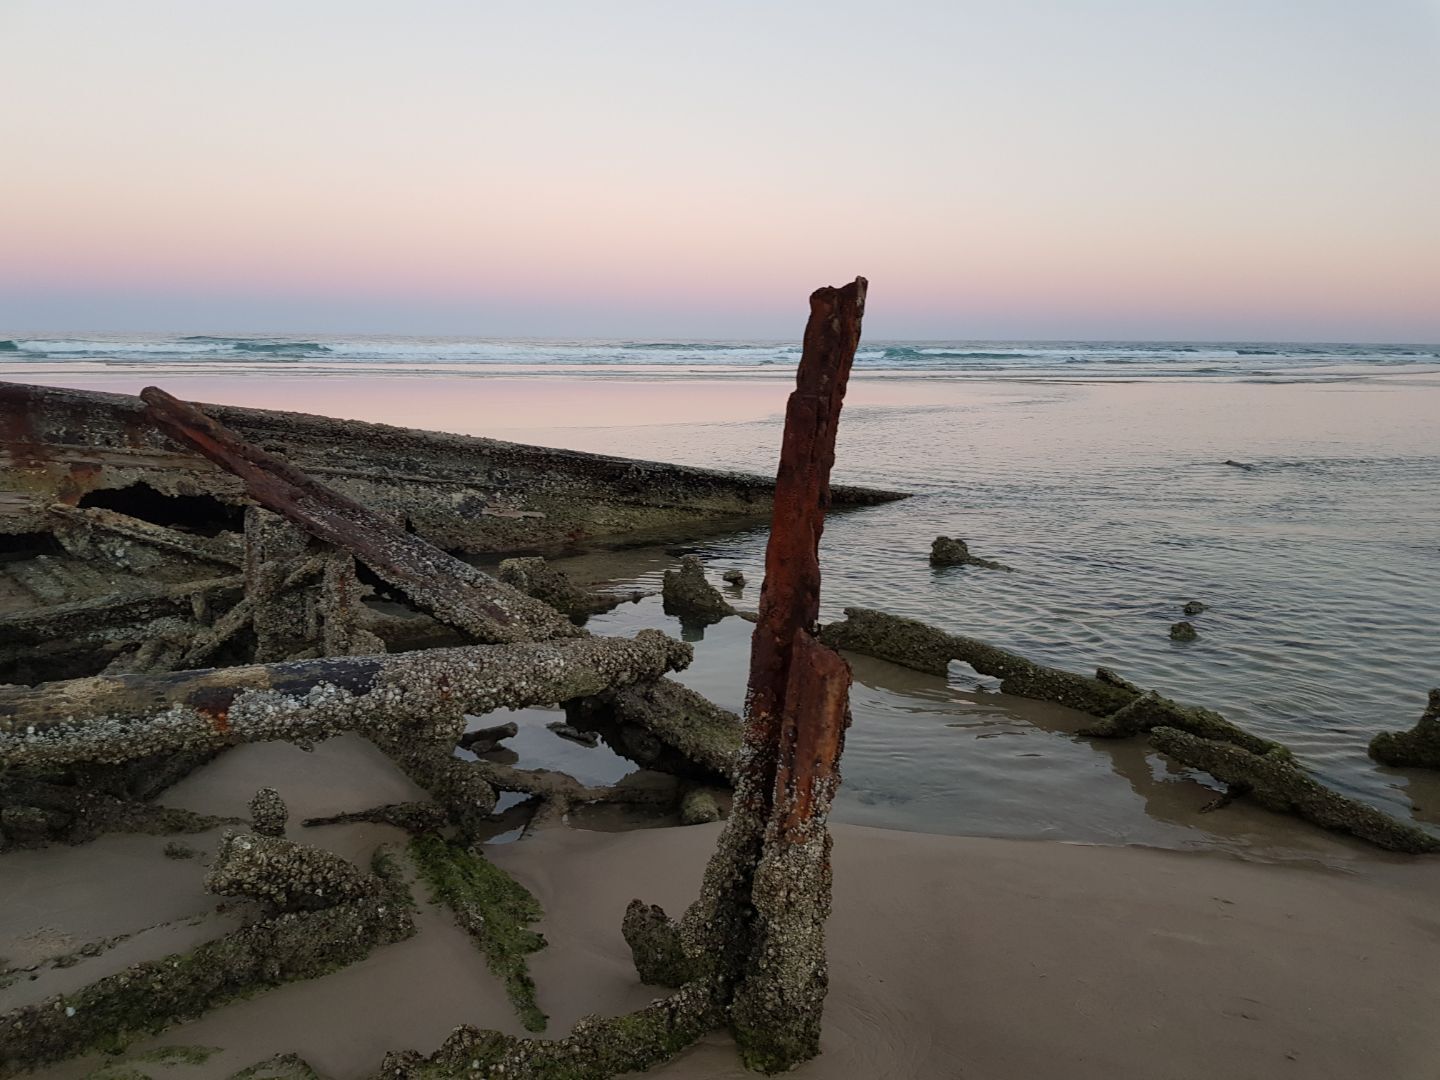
946 551
1183 631
733 577
686 593
1194 607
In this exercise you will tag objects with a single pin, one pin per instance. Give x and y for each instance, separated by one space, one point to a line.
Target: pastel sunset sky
1116 169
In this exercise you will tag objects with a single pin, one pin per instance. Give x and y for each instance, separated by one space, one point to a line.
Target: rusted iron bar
439 584
758 928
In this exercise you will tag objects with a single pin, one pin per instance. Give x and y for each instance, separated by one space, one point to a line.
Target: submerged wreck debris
483 740
1183 631
116 718
573 734
1196 737
945 551
664 725
687 594
1418 747
924 648
537 578
493 908
1277 784
303 935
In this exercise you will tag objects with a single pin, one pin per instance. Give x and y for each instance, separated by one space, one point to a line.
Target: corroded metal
757 929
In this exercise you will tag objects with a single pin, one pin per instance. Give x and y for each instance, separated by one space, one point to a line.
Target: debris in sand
268 813
699 807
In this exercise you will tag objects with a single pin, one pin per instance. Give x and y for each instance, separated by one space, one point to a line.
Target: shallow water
1320 565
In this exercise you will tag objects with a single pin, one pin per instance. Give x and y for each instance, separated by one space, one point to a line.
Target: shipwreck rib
439 584
112 718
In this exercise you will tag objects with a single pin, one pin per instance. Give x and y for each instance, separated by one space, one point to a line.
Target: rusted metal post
757 929
438 583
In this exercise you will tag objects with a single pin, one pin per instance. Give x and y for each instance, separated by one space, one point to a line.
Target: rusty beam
437 583
758 928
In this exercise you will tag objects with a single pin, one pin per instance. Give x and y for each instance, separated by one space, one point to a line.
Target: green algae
493 908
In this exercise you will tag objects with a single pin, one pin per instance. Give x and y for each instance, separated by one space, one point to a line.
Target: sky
998 169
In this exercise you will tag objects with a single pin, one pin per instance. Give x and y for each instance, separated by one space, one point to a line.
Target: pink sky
1119 169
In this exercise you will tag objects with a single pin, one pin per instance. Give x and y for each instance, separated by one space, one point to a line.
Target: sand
950 957
1014 960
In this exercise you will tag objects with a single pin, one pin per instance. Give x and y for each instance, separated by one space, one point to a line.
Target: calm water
1108 495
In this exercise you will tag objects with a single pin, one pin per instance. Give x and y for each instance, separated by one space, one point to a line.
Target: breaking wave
948 359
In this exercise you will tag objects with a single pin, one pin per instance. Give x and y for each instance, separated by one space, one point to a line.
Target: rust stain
17 430
219 718
83 478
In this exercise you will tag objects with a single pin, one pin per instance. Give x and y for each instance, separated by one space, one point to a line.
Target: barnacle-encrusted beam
112 718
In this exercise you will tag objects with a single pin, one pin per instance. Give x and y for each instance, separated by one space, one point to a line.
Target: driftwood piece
115 718
439 584
1418 747
1277 784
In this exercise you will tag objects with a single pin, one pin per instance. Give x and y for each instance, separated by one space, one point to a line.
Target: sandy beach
949 956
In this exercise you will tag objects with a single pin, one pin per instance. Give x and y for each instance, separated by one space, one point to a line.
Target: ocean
396 355
1294 489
